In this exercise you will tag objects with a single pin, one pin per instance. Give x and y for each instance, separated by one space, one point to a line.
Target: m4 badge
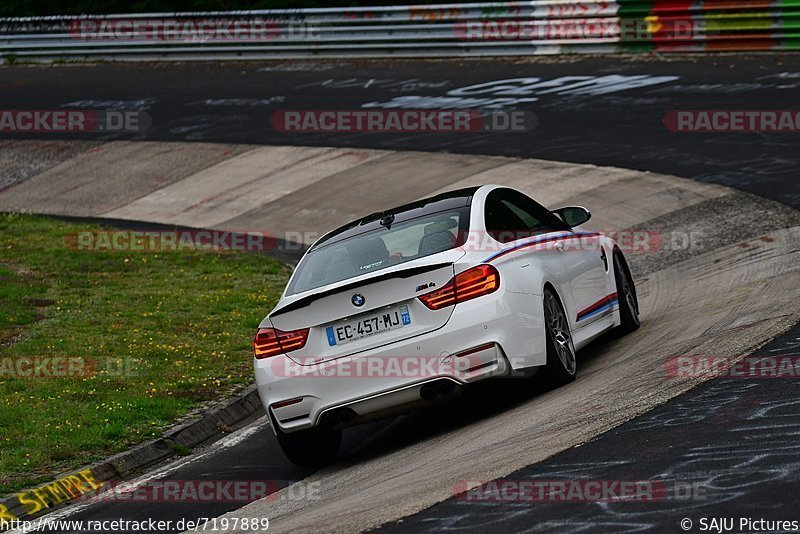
426 286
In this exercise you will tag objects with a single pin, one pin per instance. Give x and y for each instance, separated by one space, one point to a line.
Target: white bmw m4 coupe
407 306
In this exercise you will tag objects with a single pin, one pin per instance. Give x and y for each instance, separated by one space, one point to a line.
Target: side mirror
573 215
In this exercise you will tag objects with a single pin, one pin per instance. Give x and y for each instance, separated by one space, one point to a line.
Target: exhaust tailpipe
337 418
439 389
428 392
329 420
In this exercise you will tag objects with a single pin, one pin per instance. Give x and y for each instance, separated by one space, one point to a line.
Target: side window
511 215
502 222
539 218
527 218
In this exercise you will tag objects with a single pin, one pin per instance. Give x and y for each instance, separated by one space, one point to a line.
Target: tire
314 447
561 366
626 295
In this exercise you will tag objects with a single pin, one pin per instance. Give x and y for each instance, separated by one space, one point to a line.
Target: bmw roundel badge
358 300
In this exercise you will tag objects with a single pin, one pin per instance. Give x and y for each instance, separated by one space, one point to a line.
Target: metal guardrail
477 29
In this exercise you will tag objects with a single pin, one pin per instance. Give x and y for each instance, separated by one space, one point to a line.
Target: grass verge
157 334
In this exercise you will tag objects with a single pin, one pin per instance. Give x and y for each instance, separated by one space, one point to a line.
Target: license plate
368 325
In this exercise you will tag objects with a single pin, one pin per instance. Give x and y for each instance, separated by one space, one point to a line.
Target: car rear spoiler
402 273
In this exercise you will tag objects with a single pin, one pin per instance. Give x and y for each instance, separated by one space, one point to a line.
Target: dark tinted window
379 248
510 215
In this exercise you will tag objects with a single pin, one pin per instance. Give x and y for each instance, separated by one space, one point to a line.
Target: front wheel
561 362
314 447
626 294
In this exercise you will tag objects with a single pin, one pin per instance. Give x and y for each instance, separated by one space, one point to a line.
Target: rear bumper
472 346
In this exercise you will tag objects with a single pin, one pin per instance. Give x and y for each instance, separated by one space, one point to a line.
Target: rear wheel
626 294
314 447
561 362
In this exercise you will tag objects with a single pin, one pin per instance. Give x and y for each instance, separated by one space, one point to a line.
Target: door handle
559 246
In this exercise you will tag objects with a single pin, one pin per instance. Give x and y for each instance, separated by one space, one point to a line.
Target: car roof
449 200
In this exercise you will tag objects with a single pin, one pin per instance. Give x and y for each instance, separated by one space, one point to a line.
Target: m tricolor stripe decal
537 242
606 303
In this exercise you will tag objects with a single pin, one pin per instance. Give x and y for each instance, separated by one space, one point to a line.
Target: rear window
380 248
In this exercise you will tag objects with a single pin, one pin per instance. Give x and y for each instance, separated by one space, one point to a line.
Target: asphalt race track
732 438
619 127
702 439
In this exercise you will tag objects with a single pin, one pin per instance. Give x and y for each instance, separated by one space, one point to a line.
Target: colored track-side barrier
475 29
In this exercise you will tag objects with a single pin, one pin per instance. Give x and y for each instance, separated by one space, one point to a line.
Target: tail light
271 341
475 282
